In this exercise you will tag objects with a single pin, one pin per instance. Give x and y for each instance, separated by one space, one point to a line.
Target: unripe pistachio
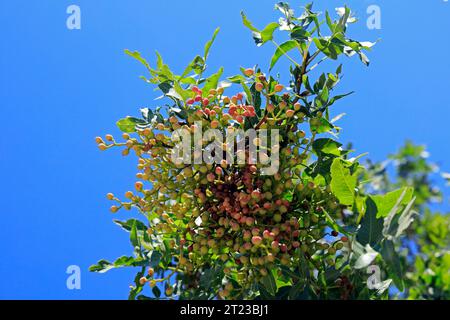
304 247
204 250
330 261
169 291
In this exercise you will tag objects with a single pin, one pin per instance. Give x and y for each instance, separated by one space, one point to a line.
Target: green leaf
212 81
156 292
247 23
392 260
102 266
364 58
197 65
135 290
300 34
285 9
339 97
323 126
128 124
296 290
159 60
136 55
326 146
128 225
211 276
333 224
134 235
332 274
395 225
327 48
366 259
269 284
210 43
282 50
385 203
343 184
305 81
260 36
383 286
267 32
155 258
406 218
255 100
240 79
344 18
371 230
322 98
329 22
181 94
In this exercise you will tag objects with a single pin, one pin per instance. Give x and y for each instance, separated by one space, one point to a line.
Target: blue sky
60 88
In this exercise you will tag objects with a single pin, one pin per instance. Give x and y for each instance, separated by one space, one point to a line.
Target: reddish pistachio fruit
142 280
256 240
249 72
138 185
259 87
278 88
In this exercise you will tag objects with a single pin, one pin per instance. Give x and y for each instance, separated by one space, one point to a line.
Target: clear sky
60 88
